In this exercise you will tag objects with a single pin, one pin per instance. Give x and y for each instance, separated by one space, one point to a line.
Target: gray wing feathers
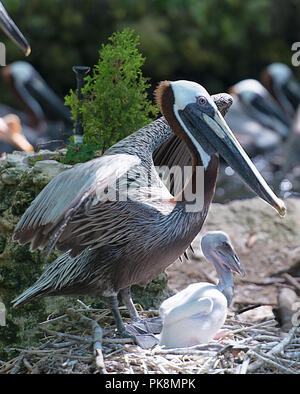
66 194
57 277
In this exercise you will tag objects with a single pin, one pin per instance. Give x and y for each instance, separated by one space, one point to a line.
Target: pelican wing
71 192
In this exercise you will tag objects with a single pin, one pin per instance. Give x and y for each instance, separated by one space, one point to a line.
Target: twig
97 337
72 357
127 362
242 369
86 307
27 365
265 359
280 347
17 367
65 335
53 320
205 368
275 350
291 280
9 365
118 340
251 328
293 355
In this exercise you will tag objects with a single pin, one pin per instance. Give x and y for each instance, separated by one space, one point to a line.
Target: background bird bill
10 28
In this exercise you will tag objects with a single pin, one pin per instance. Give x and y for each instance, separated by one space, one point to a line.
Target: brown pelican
12 31
45 115
284 87
280 81
260 106
195 314
113 242
10 125
11 132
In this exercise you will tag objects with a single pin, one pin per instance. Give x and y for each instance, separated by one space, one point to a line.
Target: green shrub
115 102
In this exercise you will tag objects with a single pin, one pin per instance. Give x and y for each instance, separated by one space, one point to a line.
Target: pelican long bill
217 136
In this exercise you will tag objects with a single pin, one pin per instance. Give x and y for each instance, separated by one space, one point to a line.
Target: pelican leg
127 300
145 341
114 306
143 326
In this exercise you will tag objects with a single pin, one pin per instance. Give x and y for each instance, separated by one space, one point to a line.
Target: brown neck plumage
165 98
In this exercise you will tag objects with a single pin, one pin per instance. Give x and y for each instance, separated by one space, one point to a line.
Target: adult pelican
113 243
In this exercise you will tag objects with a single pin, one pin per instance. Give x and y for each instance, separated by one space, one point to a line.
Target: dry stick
53 320
264 359
18 364
97 337
9 365
252 327
205 368
86 359
242 370
65 335
281 359
27 365
275 350
292 355
291 280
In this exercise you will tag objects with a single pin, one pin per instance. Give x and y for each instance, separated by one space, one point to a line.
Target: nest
86 343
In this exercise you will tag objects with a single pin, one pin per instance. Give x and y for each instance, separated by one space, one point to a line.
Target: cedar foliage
115 101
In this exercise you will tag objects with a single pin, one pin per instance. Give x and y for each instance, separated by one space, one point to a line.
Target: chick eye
201 100
226 245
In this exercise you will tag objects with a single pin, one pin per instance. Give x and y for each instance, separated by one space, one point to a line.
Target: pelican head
10 28
218 249
192 114
261 106
282 84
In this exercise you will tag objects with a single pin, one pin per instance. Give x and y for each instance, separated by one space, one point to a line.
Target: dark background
213 42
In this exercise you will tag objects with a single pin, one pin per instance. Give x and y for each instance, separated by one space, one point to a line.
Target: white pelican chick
195 314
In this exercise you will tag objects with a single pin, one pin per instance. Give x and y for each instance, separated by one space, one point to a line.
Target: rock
287 299
10 176
50 168
256 315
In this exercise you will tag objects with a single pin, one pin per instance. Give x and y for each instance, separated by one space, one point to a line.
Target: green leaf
115 102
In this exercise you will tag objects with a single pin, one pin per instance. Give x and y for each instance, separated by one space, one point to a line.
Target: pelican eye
201 100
